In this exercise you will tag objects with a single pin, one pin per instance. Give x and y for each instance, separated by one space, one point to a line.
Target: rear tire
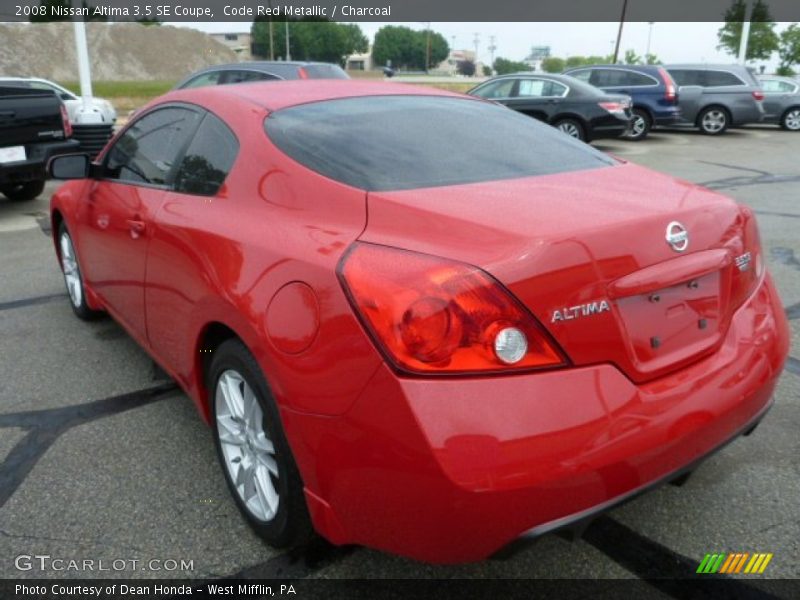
790 121
252 449
572 128
73 278
640 125
713 120
23 191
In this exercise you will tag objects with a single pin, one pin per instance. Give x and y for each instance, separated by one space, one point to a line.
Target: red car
420 321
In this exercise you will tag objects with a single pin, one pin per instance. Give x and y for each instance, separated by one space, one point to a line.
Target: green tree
310 38
553 64
763 40
466 68
652 59
487 70
407 48
631 58
789 49
503 66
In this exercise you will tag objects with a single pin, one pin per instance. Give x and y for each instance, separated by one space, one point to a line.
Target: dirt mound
118 51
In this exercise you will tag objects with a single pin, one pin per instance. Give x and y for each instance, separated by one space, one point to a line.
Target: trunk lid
587 253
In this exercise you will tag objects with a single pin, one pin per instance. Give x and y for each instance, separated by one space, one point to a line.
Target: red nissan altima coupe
416 320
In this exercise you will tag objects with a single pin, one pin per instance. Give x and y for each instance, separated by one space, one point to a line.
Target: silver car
72 101
782 101
715 97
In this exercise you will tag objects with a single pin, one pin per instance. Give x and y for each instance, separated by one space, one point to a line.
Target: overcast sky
671 42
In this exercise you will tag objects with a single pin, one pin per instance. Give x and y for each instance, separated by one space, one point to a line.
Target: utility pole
428 51
288 52
649 37
492 48
476 41
745 33
619 33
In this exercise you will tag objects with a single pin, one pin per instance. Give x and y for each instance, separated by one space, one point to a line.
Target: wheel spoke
267 493
232 395
263 444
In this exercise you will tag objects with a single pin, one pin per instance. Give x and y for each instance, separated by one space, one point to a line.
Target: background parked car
652 91
244 72
73 102
715 97
781 101
576 108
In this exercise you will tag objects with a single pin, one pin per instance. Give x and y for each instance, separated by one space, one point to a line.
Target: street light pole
288 52
745 33
649 37
86 114
619 33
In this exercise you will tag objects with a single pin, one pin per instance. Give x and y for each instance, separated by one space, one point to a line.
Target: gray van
715 97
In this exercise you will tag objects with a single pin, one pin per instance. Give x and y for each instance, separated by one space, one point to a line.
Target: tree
310 38
631 58
553 64
763 40
503 66
408 48
652 59
466 68
487 70
789 49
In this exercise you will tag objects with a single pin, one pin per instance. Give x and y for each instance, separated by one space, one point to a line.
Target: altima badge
581 310
677 236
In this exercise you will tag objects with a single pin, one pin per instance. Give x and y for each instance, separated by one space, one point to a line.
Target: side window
245 76
721 78
531 87
605 78
787 87
208 160
638 79
147 151
496 89
687 76
203 80
583 74
772 85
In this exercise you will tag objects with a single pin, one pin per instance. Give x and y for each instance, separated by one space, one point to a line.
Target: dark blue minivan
654 93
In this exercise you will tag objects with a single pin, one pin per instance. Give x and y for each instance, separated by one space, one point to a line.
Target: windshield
380 143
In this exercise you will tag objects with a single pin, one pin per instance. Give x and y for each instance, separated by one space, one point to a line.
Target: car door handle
137 227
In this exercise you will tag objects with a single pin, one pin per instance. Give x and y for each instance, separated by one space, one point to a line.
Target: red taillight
615 108
748 262
431 315
65 122
302 73
758 95
671 93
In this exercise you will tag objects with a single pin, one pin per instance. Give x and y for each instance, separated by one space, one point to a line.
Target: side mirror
69 166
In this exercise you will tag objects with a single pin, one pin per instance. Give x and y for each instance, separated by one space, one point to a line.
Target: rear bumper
451 470
34 169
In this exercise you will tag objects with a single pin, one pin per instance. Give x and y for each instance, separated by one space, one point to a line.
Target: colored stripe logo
735 562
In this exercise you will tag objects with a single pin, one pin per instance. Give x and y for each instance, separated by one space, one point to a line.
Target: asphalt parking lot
103 458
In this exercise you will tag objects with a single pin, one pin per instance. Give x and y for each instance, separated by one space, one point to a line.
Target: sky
671 42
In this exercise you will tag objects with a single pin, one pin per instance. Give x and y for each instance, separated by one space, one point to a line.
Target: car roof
275 95
705 66
615 66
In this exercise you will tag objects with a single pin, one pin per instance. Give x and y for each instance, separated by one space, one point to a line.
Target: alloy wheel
72 274
247 450
792 120
638 126
714 121
570 129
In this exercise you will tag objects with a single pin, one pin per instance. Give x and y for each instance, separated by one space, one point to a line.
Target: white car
71 101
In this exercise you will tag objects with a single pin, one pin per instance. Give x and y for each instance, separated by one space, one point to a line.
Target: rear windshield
325 72
380 143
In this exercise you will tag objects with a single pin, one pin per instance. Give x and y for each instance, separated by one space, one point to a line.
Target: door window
148 150
208 159
583 74
542 88
203 80
721 79
245 76
496 89
687 76
608 78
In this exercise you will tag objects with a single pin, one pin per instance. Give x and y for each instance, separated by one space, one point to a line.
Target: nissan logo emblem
677 236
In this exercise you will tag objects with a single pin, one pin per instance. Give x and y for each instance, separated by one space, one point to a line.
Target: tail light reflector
758 95
302 73
615 108
429 315
671 94
65 122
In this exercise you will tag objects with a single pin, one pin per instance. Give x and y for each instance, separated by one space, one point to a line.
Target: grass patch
124 89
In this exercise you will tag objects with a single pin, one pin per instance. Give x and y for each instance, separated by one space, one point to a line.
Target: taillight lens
302 73
758 95
65 121
430 315
671 93
615 108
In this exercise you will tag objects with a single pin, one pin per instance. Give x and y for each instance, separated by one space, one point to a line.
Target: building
449 66
361 61
537 55
239 42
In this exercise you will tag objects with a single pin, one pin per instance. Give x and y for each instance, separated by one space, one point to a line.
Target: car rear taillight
615 108
758 95
302 73
430 315
65 122
671 93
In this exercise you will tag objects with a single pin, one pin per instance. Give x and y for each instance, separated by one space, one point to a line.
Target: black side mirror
69 166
